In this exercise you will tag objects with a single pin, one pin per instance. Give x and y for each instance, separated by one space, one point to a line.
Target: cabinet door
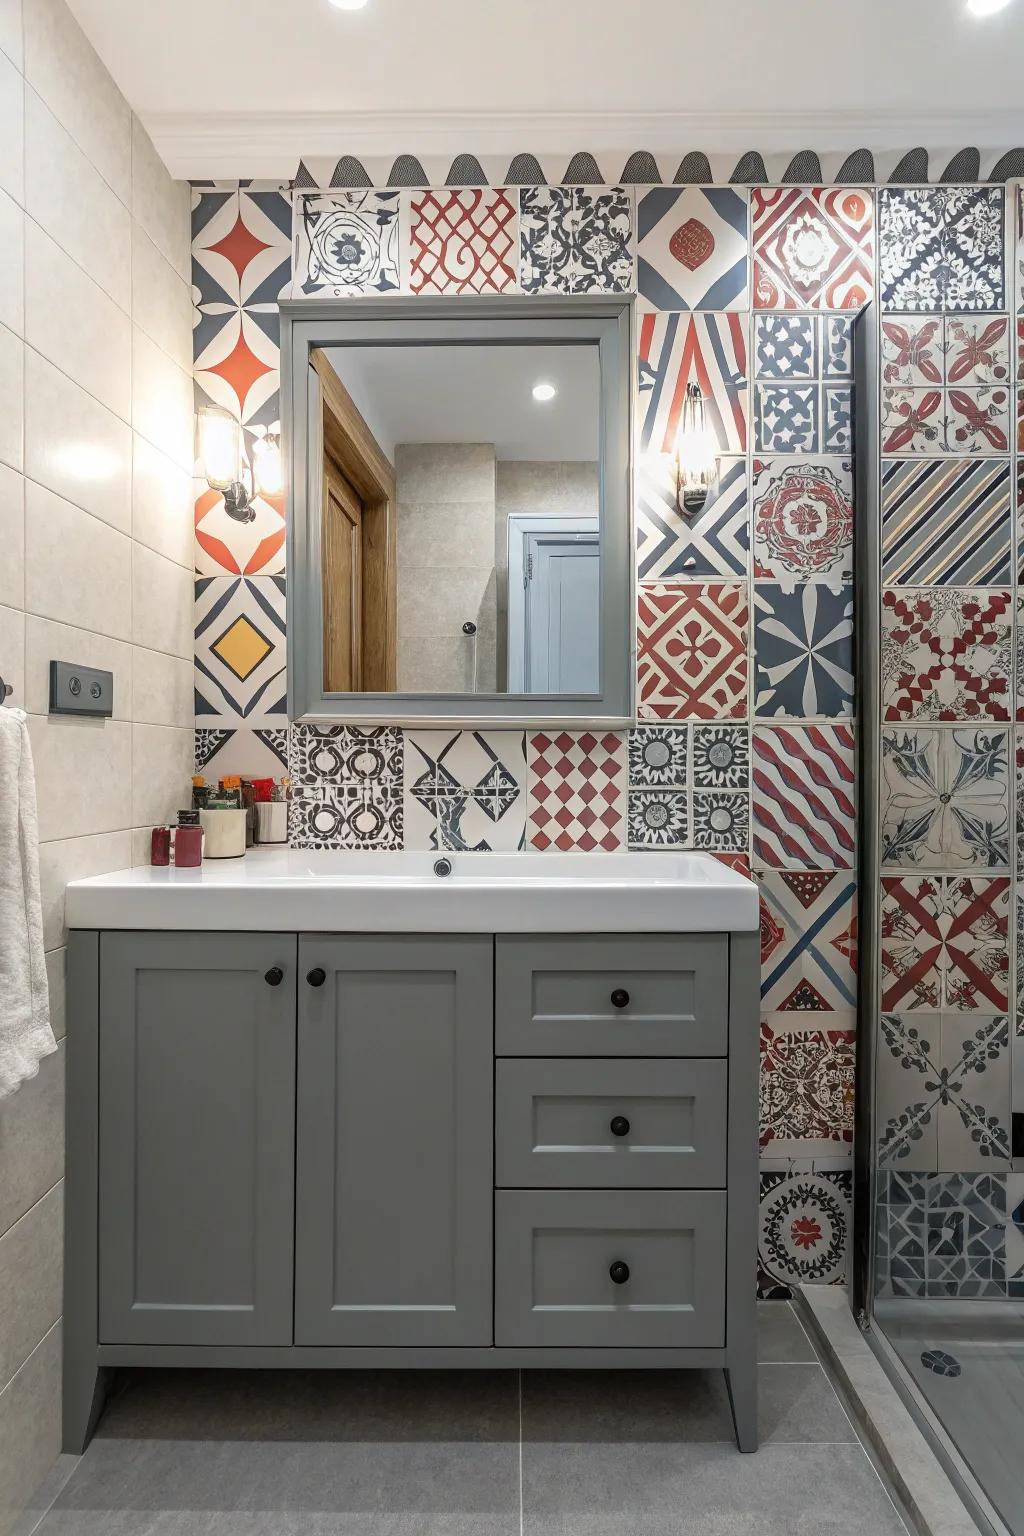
197 1125
394 1185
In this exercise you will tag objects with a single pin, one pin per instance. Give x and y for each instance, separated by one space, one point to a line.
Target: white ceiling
246 87
477 395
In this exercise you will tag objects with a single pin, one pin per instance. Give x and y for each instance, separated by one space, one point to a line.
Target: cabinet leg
85 1391
741 1381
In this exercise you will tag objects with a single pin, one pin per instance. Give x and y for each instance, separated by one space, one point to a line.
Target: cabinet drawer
556 1252
554 995
610 1124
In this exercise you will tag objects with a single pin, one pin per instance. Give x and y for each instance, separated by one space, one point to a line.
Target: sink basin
290 890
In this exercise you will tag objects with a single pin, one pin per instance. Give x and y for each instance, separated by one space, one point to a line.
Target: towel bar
5 690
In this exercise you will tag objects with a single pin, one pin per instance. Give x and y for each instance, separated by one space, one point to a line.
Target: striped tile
803 782
945 521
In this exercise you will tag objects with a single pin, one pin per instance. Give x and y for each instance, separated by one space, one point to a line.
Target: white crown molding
202 146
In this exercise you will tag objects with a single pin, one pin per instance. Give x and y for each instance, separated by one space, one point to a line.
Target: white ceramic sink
287 889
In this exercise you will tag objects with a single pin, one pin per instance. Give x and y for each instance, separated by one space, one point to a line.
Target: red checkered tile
577 791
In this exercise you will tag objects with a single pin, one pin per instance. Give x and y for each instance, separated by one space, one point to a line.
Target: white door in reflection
554 596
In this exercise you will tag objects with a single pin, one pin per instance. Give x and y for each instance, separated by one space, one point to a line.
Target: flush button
80 690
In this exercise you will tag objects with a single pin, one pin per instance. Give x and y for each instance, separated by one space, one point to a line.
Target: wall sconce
223 463
696 455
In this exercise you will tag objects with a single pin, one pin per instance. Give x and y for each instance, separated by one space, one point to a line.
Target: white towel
25 1033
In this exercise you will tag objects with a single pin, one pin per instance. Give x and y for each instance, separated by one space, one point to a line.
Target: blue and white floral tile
673 544
942 248
346 787
346 244
465 790
804 1225
692 248
720 757
787 418
240 651
943 1092
803 651
945 798
721 821
576 240
659 756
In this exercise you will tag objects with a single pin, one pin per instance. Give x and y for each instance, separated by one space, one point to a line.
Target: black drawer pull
619 1272
620 998
274 976
316 977
619 1126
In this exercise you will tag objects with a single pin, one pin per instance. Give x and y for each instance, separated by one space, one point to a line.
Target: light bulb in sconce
267 471
544 391
219 451
696 454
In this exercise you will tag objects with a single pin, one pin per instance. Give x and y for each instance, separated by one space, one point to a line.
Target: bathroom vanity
333 1110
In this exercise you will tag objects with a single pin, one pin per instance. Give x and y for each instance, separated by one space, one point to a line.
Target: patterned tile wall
744 741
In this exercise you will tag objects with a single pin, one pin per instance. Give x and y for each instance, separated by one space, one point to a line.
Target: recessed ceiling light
544 391
986 7
348 5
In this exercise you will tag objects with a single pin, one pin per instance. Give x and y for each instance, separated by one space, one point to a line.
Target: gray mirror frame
306 324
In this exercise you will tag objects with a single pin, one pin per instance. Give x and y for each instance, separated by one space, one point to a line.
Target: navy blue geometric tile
942 248
671 544
784 346
837 347
940 1362
803 651
786 419
838 411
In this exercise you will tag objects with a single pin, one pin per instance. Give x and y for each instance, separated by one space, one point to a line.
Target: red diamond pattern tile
577 791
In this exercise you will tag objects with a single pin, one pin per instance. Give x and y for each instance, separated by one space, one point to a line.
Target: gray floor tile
703 1490
779 1334
300 1454
796 1404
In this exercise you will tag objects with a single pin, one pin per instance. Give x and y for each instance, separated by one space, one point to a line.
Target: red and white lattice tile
946 654
463 240
945 943
803 796
576 784
692 248
806 1083
692 651
813 247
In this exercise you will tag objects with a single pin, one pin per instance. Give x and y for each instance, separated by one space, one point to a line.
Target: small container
188 847
272 821
160 846
225 833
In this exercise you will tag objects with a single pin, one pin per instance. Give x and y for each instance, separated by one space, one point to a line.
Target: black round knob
620 998
619 1272
619 1126
274 976
316 977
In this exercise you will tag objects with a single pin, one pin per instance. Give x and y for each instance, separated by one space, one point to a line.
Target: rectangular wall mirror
459 510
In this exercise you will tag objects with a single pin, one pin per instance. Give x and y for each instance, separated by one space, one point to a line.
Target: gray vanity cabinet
393 1230
196 1138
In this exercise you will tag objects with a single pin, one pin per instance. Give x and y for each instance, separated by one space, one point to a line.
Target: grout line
521 1511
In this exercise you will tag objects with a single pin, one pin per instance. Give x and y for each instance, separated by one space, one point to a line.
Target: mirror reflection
460 533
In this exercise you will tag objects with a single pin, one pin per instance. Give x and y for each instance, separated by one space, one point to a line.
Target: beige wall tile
67 195
163 689
12 265
161 300
161 205
162 760
29 1428
10 30
96 350
31 1255
162 504
12 130
163 403
162 602
82 775
46 641
77 569
75 446
61 64
12 653
56 980
75 858
12 393
31 1140
12 537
